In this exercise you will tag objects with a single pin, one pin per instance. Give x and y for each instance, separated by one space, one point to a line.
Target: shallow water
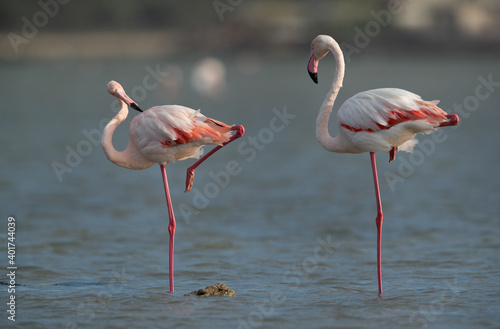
291 228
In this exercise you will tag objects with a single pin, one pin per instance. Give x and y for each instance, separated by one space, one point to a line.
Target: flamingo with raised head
377 120
161 135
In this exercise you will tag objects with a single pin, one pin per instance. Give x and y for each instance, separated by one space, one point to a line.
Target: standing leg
378 221
171 229
240 130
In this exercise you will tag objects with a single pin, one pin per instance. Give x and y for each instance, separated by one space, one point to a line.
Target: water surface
292 231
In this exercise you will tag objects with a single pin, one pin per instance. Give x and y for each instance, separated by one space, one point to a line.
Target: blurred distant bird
161 135
378 120
209 78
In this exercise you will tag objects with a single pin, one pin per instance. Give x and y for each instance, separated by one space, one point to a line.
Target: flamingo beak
129 101
312 67
136 107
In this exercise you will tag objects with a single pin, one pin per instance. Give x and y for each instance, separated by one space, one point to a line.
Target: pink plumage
381 109
380 120
168 133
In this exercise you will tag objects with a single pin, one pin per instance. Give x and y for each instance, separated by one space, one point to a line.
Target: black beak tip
136 107
314 76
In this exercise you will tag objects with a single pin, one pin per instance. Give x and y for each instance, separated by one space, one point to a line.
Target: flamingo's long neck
323 136
129 158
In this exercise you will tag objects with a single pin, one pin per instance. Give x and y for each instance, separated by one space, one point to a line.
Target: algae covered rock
218 289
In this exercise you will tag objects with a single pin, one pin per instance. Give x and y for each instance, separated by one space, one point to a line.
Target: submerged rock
218 289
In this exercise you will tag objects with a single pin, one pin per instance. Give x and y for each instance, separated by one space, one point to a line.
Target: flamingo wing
168 133
382 109
387 119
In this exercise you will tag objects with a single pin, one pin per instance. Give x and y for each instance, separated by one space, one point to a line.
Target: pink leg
240 131
171 229
378 221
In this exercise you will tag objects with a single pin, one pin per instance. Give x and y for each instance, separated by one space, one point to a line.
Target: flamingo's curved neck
322 135
129 158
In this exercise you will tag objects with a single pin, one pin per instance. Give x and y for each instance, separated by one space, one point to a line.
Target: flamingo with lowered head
161 135
377 120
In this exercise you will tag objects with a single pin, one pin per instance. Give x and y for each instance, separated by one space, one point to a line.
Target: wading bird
161 135
378 120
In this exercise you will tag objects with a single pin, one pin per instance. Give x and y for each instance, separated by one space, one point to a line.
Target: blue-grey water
287 225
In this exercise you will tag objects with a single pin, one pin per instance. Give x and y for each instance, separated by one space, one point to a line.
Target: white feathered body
172 132
378 120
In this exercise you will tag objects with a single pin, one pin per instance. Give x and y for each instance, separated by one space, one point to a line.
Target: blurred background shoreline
37 30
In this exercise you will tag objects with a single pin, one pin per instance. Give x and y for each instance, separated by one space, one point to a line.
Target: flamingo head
319 48
116 89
